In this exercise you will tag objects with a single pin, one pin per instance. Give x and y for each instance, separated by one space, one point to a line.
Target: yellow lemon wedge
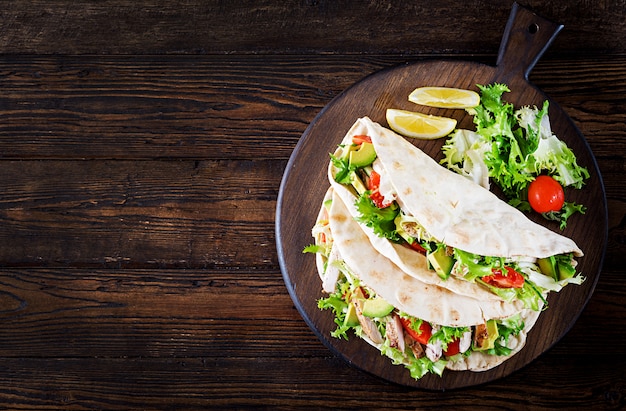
419 125
444 97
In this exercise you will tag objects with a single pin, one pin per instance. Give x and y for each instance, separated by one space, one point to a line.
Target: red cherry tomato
545 194
512 279
453 348
423 335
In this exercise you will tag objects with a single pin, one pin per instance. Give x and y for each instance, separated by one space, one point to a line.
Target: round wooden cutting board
305 181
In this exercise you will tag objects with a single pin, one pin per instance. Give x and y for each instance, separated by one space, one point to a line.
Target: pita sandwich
474 244
426 327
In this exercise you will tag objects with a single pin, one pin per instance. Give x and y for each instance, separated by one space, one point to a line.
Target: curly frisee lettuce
511 148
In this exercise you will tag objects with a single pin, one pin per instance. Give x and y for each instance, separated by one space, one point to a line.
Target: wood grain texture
228 106
148 313
236 383
142 145
191 338
160 336
295 26
139 214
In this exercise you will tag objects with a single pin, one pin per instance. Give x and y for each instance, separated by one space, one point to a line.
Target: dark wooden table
142 145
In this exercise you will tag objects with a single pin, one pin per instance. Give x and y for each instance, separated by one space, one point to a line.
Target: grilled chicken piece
480 335
369 326
418 350
465 342
434 351
395 333
411 228
331 276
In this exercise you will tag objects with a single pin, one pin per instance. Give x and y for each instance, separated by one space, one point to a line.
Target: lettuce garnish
511 148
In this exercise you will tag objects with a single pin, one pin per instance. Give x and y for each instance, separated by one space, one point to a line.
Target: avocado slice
485 335
365 155
441 262
351 319
548 267
357 183
376 307
566 271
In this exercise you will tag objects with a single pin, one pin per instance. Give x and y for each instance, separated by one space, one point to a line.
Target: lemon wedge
419 125
444 97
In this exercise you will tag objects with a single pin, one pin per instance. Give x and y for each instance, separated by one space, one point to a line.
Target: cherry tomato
453 348
423 335
512 279
545 194
373 185
360 139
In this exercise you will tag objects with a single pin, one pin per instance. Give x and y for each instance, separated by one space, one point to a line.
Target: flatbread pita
452 208
411 262
455 210
433 303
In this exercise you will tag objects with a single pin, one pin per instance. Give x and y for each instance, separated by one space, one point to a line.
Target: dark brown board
304 184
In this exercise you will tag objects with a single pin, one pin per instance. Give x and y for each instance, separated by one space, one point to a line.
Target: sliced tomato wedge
360 139
323 238
417 247
512 279
378 199
453 348
423 335
373 184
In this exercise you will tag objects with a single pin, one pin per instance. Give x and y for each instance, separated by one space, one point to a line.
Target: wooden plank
150 313
68 313
113 339
139 214
590 96
326 26
185 107
141 150
164 213
123 107
199 383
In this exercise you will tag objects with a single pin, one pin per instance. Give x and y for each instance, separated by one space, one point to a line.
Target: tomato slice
360 139
545 194
512 279
423 335
379 200
322 238
453 348
417 247
373 184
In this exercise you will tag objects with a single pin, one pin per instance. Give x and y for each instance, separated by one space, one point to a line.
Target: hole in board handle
533 28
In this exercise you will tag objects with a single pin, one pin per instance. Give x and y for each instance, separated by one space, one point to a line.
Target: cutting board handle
526 37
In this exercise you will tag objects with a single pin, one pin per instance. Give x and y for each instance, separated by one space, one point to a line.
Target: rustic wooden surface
141 151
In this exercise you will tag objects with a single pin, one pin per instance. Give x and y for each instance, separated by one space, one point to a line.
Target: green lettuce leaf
381 220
